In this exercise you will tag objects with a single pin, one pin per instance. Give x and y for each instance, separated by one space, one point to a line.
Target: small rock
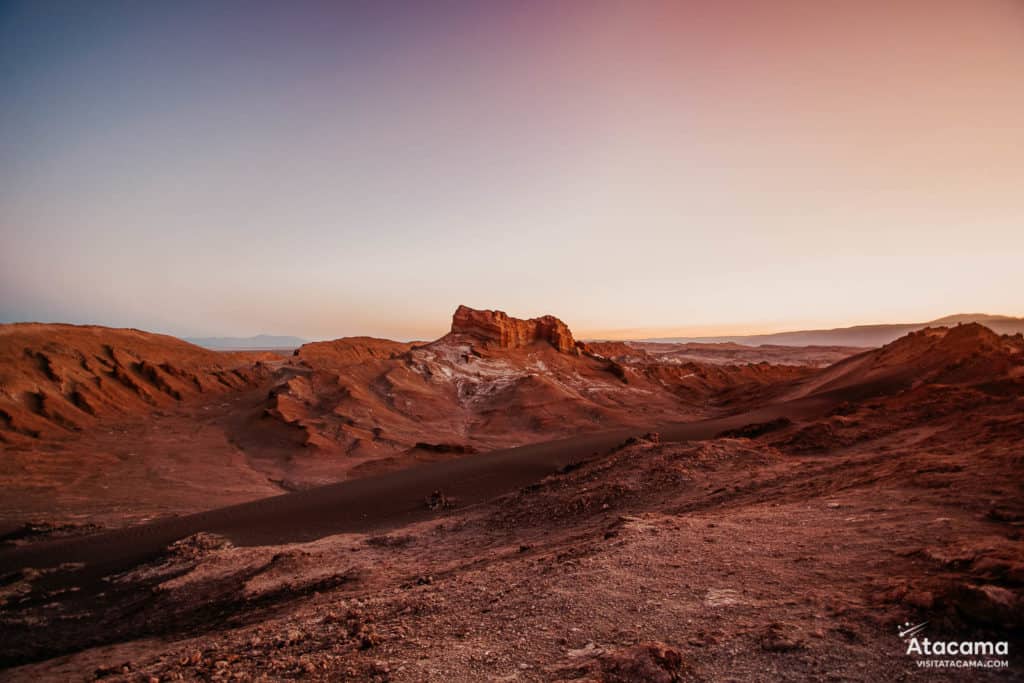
990 605
588 650
780 638
920 599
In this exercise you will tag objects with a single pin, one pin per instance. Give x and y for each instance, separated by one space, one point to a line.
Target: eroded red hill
94 417
65 378
965 354
494 381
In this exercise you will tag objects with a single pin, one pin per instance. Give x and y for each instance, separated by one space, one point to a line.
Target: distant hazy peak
260 341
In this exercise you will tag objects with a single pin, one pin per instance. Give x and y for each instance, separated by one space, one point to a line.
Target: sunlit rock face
496 328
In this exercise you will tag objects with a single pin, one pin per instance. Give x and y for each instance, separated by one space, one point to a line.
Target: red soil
65 378
886 488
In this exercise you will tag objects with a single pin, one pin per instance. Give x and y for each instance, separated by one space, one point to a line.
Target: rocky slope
864 335
962 355
115 426
787 543
60 379
493 381
730 557
98 421
725 353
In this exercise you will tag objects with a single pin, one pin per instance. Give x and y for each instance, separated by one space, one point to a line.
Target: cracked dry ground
720 560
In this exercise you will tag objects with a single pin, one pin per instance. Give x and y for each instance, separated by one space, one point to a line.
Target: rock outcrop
498 329
348 351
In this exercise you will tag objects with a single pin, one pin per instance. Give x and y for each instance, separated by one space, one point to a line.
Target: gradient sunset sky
329 169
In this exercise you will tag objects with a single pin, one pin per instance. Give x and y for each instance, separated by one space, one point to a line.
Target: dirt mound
348 350
652 662
57 379
964 355
621 352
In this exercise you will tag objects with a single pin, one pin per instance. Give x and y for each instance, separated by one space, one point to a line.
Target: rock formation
56 379
498 329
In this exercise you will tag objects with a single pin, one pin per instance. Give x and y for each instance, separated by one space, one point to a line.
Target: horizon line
690 332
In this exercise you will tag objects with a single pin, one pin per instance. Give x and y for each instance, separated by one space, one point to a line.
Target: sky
331 169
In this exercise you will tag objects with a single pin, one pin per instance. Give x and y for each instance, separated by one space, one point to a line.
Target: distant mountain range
860 335
260 341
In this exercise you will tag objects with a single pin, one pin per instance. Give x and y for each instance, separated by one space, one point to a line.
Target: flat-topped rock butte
498 329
